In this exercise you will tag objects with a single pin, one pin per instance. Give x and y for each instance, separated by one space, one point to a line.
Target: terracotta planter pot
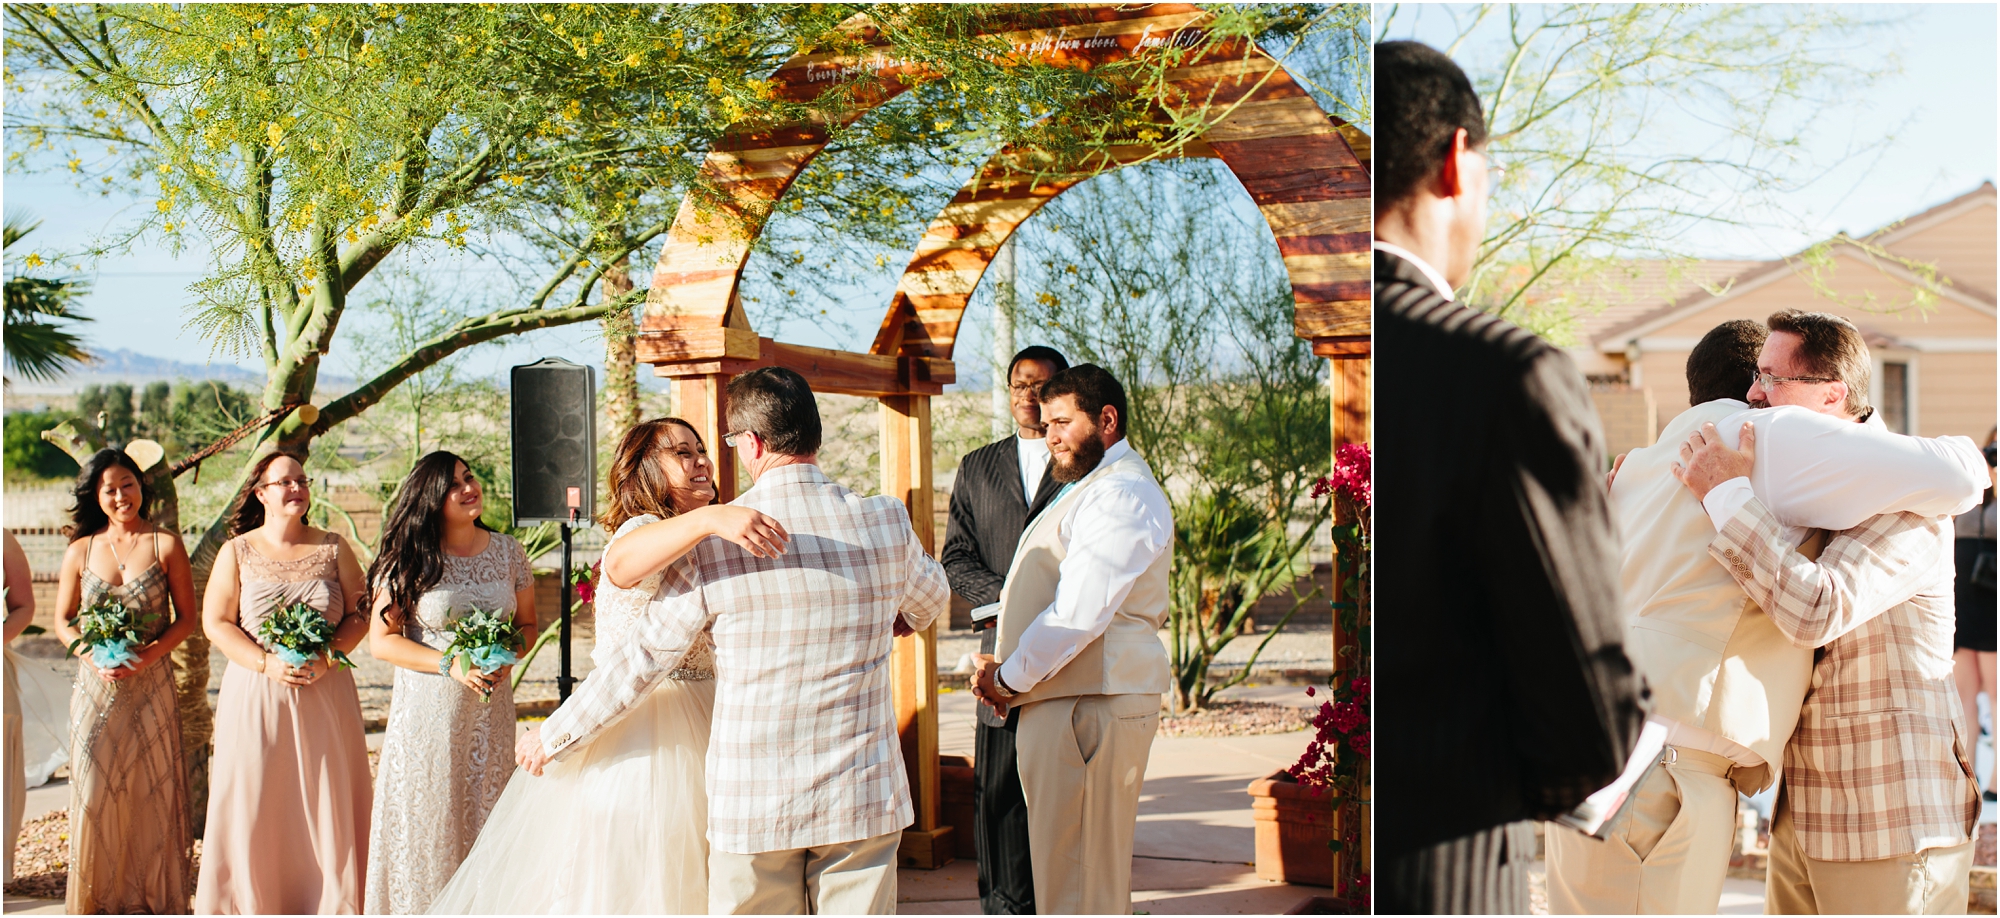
1294 825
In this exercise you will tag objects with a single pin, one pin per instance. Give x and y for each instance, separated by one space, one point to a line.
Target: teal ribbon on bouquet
113 654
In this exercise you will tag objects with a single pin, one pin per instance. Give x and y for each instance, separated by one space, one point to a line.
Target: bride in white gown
620 826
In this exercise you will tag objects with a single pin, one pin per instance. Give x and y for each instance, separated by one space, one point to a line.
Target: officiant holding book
998 488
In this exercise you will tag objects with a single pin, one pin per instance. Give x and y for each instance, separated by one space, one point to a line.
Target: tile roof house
1934 368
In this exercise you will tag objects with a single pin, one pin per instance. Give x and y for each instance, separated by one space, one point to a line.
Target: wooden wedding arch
1296 162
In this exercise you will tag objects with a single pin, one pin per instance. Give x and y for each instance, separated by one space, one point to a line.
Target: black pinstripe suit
1503 693
988 513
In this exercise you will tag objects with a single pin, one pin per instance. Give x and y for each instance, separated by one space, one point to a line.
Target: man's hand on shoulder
1706 461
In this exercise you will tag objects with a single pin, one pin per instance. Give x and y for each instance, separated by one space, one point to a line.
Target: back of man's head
1093 387
1723 364
1830 347
1422 99
778 406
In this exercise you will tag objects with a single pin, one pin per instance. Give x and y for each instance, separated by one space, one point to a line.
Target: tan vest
1128 658
1712 658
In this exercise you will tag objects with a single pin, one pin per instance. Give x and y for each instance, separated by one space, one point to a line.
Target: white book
1599 809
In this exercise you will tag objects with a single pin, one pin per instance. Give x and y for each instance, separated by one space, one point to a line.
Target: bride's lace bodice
618 611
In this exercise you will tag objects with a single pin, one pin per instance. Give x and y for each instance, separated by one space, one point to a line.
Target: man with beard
1502 688
1079 649
998 488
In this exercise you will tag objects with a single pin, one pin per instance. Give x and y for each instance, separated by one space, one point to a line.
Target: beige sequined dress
130 840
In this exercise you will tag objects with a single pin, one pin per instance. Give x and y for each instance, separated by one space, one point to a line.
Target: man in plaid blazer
807 794
1878 801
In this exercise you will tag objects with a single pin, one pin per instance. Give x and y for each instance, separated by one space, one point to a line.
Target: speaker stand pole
563 680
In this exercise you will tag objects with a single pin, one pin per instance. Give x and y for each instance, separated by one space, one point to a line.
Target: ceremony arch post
1290 156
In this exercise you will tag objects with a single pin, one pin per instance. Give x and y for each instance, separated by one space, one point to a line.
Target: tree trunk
621 376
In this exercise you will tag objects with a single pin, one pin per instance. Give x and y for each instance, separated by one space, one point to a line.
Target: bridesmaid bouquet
485 640
110 629
298 633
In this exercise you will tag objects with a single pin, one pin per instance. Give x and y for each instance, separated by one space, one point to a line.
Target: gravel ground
1237 718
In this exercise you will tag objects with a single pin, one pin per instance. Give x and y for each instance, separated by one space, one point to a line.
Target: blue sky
1944 103
1941 109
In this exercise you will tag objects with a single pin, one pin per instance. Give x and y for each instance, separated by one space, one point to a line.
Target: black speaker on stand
554 424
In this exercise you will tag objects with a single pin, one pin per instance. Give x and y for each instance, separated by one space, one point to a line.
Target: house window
1895 405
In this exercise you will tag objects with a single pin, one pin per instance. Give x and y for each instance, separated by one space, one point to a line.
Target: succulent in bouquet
485 640
298 632
110 630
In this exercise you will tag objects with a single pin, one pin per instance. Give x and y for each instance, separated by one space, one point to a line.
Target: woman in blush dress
450 743
289 792
621 827
130 837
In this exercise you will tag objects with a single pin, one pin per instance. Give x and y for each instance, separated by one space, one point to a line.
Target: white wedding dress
619 827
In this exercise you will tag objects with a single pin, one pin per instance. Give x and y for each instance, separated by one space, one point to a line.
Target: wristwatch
1000 685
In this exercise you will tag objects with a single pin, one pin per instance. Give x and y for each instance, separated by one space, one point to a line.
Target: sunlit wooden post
704 402
906 475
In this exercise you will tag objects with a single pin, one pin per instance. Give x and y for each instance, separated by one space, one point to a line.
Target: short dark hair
1048 355
1422 99
1093 388
1724 363
1832 347
777 405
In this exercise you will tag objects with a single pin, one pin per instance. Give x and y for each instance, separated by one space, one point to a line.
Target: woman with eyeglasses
449 746
621 827
1974 594
289 790
130 838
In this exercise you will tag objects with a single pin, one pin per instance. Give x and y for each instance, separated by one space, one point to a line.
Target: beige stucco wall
1955 394
1961 247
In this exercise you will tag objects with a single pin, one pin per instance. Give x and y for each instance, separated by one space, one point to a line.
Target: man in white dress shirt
1877 803
1726 683
1079 648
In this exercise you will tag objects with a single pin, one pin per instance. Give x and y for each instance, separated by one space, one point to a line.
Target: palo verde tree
304 145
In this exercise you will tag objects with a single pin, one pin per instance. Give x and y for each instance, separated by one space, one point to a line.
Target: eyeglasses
286 484
1768 382
1025 388
729 439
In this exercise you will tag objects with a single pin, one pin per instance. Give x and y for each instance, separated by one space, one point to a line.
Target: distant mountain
128 366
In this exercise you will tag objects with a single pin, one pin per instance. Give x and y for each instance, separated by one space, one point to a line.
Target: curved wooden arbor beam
1295 161
693 315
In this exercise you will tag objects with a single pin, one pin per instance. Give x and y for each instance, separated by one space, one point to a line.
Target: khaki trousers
1934 881
850 878
1083 761
1669 856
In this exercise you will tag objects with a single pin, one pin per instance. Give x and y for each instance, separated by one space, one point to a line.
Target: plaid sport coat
1879 765
804 749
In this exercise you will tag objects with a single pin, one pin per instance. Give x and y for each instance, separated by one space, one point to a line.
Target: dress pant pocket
1656 811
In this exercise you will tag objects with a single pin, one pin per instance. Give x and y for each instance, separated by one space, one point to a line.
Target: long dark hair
250 514
635 485
410 559
87 518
